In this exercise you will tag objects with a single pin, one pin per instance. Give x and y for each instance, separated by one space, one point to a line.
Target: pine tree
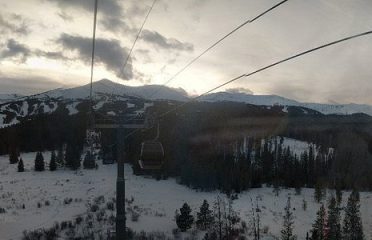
204 217
21 167
231 219
338 196
334 220
318 192
287 231
352 226
89 161
318 231
53 162
185 219
13 156
60 159
39 162
72 156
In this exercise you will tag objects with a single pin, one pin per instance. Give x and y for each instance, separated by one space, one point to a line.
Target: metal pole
120 189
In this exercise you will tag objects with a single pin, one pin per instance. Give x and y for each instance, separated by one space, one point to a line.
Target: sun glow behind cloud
178 31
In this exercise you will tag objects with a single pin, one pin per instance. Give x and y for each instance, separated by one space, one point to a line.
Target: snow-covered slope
9 97
155 201
270 100
104 89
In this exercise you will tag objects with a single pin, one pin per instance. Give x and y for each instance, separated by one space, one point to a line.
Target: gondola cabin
152 155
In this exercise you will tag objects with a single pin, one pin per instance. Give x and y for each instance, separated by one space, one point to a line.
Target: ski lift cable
263 69
91 117
214 45
218 42
126 61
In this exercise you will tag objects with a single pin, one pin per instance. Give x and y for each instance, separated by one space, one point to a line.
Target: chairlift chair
152 154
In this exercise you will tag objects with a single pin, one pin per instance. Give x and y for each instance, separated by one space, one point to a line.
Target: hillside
156 212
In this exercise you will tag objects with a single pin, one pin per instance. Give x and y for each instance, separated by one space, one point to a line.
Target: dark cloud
108 52
116 25
14 49
107 7
159 40
20 52
110 12
14 24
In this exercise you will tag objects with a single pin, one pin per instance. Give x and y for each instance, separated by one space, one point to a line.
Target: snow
72 108
157 200
8 97
130 105
24 109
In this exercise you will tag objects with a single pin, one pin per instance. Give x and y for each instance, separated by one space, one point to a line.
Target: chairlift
152 154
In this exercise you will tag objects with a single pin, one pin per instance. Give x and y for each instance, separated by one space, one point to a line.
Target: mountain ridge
106 87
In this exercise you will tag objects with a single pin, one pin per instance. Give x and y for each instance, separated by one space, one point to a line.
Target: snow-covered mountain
107 87
271 100
9 97
15 107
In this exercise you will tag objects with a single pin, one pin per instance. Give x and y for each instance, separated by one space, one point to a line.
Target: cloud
239 90
116 25
26 84
110 12
107 7
108 52
65 16
14 24
159 40
16 50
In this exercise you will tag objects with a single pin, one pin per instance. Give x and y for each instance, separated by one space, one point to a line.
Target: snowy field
157 200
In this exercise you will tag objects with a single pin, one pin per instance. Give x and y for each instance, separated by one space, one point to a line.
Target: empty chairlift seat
152 155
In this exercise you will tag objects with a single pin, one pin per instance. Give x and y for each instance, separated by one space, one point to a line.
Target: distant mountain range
13 106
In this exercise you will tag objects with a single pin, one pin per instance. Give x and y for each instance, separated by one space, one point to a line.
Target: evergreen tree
338 196
72 156
185 219
39 162
13 156
334 220
352 227
21 167
53 162
60 159
318 192
231 220
204 217
89 161
319 227
287 231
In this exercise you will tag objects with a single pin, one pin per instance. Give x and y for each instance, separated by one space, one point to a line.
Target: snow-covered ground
157 200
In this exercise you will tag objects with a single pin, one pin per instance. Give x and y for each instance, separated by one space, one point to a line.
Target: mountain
273 100
9 97
14 108
106 87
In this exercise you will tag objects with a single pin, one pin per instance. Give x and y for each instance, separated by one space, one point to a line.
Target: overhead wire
219 41
214 45
260 70
137 37
91 117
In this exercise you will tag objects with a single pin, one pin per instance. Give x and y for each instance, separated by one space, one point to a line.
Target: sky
46 44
